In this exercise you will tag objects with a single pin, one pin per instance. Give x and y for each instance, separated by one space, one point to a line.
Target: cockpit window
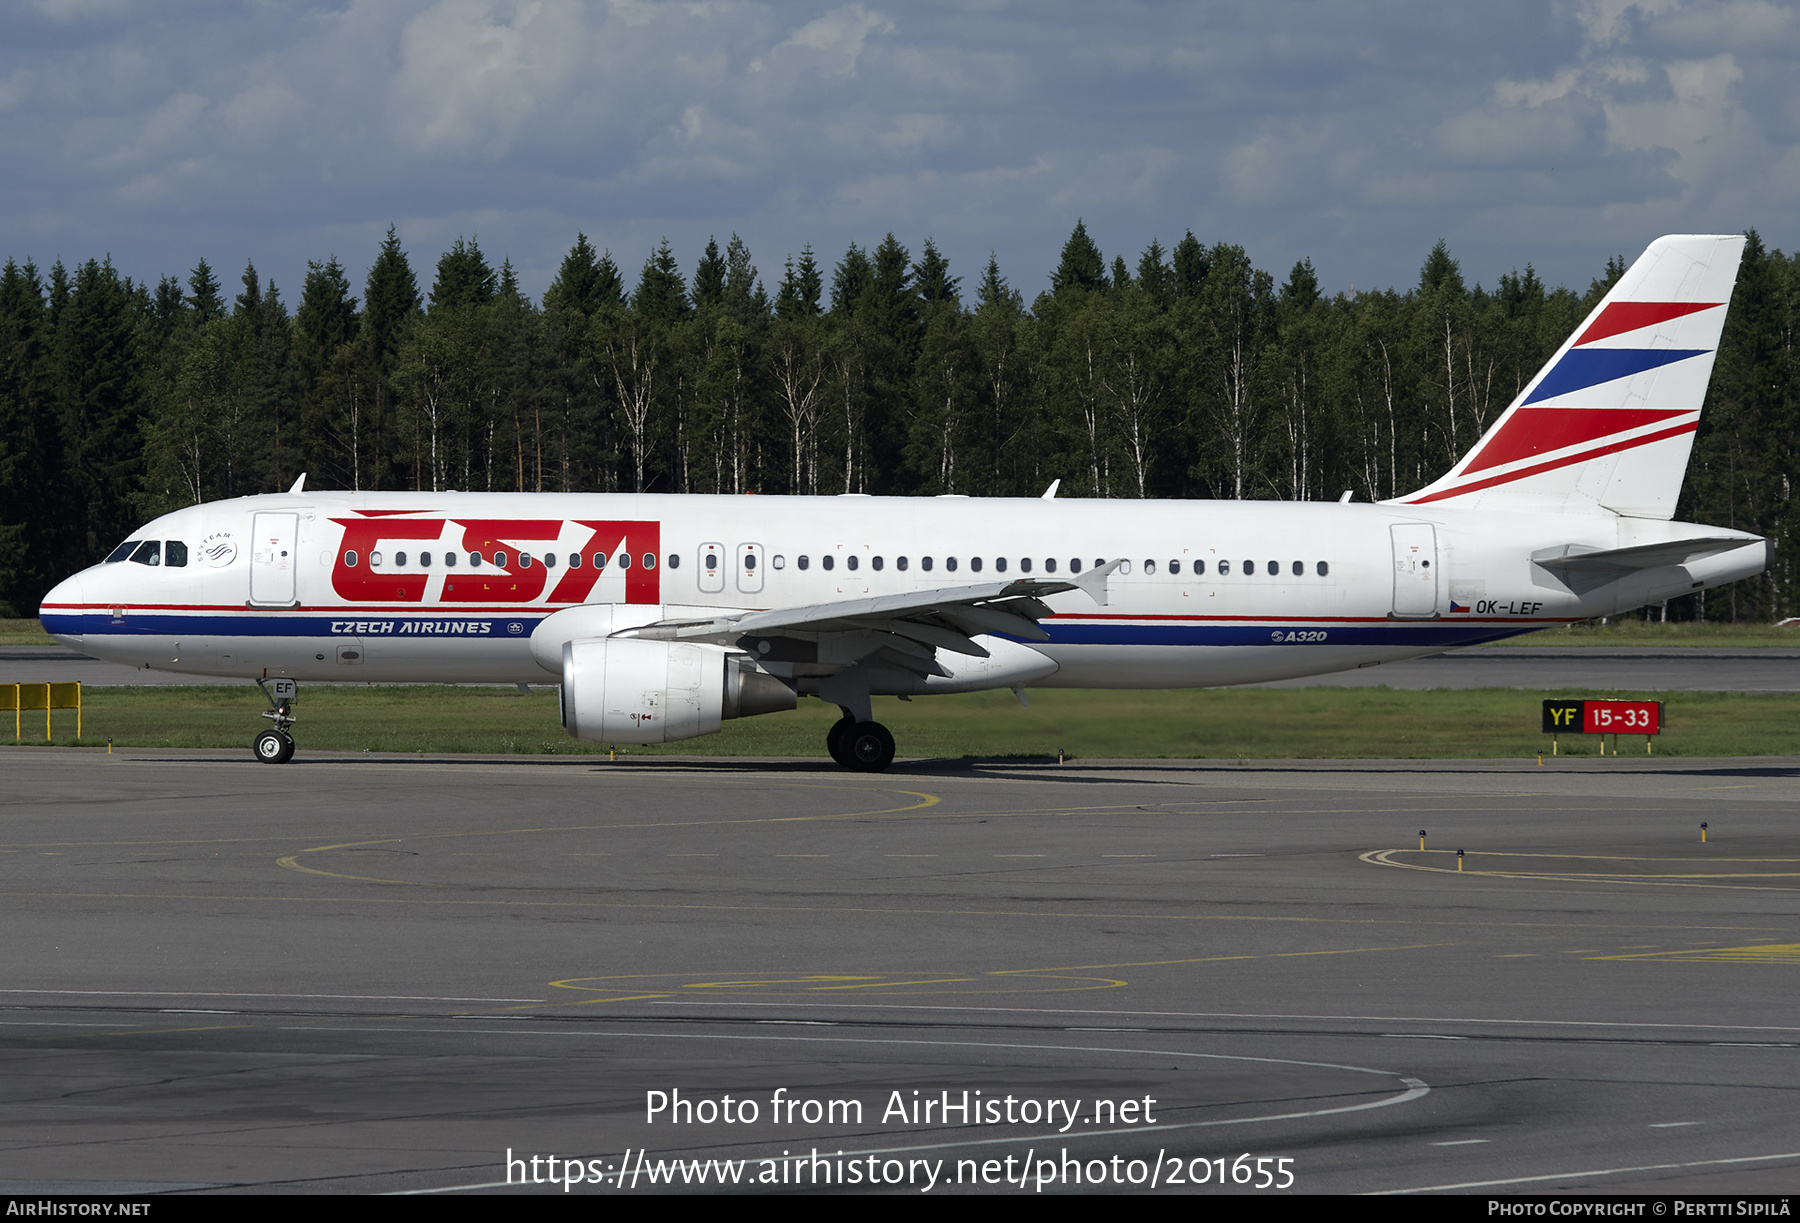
175 554
122 551
149 552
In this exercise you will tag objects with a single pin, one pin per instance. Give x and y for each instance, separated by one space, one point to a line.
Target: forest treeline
1189 373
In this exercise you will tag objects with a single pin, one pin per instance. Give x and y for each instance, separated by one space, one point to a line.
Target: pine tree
1082 267
584 282
1155 277
1302 287
801 284
709 277
661 297
1441 274
936 287
463 277
203 290
97 374
850 281
740 288
389 299
32 484
1189 267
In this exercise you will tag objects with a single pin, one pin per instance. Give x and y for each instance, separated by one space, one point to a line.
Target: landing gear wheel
869 746
835 739
274 747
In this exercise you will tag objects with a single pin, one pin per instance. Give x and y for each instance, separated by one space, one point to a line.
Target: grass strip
1309 723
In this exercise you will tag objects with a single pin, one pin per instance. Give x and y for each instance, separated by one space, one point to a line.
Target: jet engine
630 690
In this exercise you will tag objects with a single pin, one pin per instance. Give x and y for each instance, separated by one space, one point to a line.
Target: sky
1356 133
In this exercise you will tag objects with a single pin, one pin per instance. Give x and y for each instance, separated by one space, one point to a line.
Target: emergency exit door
273 552
1415 570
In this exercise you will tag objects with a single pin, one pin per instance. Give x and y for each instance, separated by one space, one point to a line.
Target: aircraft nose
62 609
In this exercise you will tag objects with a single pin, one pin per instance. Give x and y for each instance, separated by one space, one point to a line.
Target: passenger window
500 560
1249 568
1199 568
780 561
1174 567
600 560
549 560
675 561
851 561
175 554
474 560
1050 564
999 564
374 560
805 562
1024 564
877 563
1299 569
1274 569
925 563
900 563
624 560
829 561
349 559
650 560
1224 569
950 563
425 560
1074 564
712 561
1149 567
1323 569
975 564
123 551
400 558
449 560
574 560
524 560
149 552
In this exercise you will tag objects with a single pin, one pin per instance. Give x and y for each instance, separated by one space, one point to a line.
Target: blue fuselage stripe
1427 634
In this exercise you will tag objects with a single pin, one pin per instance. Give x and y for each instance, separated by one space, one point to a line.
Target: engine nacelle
630 690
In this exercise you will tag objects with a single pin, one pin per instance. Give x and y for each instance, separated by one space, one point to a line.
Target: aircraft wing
907 628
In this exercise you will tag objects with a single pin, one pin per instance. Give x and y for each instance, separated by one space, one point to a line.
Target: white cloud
474 73
1557 131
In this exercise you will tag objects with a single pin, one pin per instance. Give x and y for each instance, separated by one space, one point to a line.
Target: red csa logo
625 546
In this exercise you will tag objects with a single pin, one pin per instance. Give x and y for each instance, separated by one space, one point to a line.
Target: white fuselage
312 586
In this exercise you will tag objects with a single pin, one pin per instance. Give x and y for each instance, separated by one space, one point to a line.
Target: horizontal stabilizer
1573 558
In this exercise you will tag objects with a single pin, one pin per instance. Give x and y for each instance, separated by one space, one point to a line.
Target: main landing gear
866 747
276 745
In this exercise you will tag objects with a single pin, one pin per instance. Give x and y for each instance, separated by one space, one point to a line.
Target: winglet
299 485
1094 580
1050 493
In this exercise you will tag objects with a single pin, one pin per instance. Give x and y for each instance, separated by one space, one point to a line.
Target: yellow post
1421 838
1702 832
1459 859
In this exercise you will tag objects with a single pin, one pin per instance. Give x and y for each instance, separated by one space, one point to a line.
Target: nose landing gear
275 745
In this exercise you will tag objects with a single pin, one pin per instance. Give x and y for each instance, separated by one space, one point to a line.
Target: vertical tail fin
1608 423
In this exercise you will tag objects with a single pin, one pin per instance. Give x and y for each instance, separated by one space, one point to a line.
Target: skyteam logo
218 550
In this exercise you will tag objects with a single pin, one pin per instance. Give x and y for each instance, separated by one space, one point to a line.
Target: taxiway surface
385 974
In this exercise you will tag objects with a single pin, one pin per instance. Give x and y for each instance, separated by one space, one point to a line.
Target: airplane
661 616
